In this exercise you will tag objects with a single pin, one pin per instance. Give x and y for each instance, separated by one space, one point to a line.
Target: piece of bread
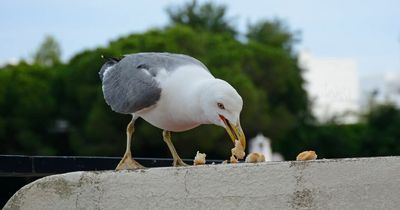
224 162
238 150
199 159
255 157
307 155
233 159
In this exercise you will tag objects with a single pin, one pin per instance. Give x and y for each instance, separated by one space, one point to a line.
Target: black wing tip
112 59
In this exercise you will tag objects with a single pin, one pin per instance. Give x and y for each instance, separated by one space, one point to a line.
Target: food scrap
238 150
199 159
233 159
307 155
255 157
237 153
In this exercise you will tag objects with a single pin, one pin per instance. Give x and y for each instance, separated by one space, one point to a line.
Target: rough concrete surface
365 183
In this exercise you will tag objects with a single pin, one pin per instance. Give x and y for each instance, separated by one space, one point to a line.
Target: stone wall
362 183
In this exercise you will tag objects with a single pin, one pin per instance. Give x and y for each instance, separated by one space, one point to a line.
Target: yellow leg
127 163
177 160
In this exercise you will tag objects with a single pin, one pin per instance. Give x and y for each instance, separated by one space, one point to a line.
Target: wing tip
110 62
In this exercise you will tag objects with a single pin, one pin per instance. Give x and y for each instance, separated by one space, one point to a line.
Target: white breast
177 108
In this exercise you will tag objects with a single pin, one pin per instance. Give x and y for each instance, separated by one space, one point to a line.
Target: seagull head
222 105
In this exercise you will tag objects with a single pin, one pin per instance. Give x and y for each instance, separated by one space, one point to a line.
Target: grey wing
181 59
127 88
168 61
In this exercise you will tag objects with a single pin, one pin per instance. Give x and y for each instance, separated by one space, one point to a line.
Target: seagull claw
179 162
127 163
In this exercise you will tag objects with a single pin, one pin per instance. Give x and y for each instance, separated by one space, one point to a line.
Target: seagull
173 92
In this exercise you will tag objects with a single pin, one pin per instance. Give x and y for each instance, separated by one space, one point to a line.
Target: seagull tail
110 62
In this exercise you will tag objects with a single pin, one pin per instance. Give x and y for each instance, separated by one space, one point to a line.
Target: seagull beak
234 131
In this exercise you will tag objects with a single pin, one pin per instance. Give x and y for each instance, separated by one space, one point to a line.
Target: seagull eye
221 106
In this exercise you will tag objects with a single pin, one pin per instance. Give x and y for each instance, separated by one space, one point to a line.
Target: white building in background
333 87
262 144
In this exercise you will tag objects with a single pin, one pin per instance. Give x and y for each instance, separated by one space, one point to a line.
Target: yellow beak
234 131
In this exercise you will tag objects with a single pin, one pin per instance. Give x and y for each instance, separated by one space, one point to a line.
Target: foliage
207 17
383 134
376 135
27 109
48 53
274 34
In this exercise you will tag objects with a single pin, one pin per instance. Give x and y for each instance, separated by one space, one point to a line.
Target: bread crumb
255 157
238 150
199 159
234 160
307 155
224 162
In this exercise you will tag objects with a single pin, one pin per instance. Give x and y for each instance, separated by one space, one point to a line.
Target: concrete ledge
365 183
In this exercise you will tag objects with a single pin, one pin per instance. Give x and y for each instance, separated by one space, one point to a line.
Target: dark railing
19 170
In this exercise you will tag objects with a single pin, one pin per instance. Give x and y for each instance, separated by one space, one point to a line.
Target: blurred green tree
48 53
207 16
383 134
275 34
273 67
26 109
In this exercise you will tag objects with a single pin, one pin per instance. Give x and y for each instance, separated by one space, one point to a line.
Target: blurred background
314 75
